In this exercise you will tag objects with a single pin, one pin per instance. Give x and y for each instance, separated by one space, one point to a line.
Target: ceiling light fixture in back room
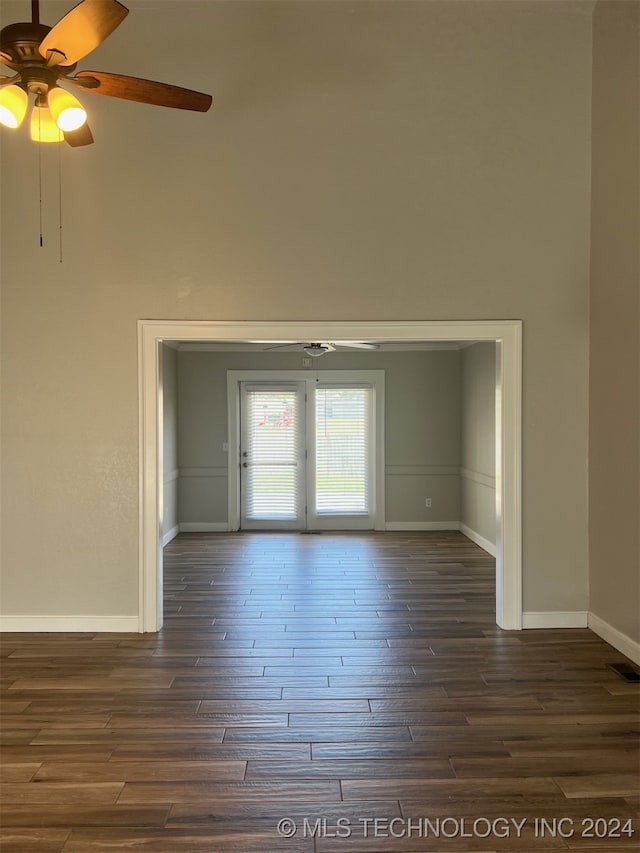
319 348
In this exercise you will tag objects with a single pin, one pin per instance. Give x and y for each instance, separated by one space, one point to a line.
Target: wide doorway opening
505 334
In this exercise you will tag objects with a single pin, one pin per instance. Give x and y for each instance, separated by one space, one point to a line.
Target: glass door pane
342 477
272 456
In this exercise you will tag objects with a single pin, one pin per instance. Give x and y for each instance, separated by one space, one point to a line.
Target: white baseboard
624 644
170 534
487 546
223 527
421 525
204 527
555 619
58 624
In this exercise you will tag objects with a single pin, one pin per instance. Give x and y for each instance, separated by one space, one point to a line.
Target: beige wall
478 441
614 436
378 161
422 428
169 373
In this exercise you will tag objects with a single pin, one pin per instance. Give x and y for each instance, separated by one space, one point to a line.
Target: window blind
273 453
343 427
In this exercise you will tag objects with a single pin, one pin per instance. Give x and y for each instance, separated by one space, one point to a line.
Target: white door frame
506 333
375 378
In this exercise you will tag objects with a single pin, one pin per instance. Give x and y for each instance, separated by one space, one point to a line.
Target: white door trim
507 334
376 378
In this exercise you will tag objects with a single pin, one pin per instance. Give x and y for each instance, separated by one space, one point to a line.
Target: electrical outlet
225 446
307 362
427 502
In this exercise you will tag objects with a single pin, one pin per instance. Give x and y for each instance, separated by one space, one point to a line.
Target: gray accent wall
477 456
422 429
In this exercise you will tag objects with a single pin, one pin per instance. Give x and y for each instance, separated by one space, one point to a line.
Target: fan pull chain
40 181
60 199
59 196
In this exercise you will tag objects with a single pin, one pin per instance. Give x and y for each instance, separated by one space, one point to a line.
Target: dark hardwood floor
354 685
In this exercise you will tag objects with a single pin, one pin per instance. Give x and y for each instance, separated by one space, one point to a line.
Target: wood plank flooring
355 685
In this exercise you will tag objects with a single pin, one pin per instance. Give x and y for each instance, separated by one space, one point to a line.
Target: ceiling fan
42 57
320 348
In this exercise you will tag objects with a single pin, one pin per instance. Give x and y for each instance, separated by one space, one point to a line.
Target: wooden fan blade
291 345
81 136
143 91
82 29
356 345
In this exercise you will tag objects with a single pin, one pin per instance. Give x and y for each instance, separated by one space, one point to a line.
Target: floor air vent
627 671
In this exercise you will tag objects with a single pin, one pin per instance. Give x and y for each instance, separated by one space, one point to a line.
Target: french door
272 453
306 455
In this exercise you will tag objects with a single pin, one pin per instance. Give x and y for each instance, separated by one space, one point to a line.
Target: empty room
320 425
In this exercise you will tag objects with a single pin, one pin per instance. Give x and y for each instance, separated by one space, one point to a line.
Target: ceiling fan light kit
67 111
13 105
41 56
43 125
318 349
